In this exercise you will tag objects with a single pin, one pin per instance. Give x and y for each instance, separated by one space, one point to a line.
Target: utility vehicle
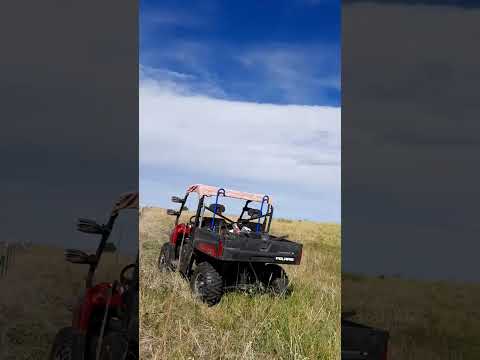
217 253
105 319
361 342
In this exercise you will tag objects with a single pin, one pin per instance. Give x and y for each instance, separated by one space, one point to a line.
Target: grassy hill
426 320
305 325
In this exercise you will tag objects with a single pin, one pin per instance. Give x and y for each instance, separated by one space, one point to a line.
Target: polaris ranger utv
217 253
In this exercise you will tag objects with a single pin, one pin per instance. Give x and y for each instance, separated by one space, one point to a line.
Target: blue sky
248 50
258 82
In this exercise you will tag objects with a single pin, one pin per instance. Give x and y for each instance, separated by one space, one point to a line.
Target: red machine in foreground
105 320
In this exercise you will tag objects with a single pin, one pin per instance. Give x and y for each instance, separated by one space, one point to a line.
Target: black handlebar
106 230
89 226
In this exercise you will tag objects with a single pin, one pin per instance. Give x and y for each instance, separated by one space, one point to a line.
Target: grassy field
35 299
305 325
426 320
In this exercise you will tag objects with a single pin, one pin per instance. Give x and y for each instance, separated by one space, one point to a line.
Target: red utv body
217 253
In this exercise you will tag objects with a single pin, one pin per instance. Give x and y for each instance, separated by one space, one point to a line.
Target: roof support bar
265 199
220 191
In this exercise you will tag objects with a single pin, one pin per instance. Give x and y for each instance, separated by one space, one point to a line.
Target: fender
95 297
178 232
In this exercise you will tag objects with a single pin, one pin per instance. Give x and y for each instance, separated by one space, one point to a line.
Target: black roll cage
265 227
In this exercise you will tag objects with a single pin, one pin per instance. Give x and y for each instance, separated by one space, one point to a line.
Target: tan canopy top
207 190
127 200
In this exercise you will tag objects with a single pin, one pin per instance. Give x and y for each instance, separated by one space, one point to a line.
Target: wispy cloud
280 73
179 83
296 71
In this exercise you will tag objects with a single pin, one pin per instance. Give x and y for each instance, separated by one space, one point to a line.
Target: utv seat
218 221
207 221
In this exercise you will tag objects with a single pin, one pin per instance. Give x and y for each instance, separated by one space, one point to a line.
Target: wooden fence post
7 261
2 265
7 258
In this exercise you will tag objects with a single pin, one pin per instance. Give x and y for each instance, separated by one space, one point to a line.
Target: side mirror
89 226
173 212
110 247
177 200
79 257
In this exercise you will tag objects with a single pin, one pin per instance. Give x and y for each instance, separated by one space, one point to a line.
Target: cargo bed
250 247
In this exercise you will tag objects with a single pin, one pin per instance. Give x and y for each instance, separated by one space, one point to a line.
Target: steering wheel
126 278
192 219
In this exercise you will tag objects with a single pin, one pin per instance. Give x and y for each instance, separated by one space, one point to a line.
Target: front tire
207 284
65 345
114 347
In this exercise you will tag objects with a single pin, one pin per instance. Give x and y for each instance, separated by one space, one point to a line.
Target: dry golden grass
426 320
35 299
305 325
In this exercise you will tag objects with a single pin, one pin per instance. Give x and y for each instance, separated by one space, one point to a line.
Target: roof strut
212 224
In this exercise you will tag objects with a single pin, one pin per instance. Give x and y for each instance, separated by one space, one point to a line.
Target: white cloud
280 145
297 145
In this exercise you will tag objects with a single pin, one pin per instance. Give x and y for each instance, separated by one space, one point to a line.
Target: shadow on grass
257 290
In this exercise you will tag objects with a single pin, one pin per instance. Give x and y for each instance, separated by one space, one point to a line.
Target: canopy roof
207 190
127 200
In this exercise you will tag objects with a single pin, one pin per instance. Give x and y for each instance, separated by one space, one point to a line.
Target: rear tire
276 280
164 259
207 284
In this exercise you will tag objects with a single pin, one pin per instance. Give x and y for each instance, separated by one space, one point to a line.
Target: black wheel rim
63 353
200 285
162 262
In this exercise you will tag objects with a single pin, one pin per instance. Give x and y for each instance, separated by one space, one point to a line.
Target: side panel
208 242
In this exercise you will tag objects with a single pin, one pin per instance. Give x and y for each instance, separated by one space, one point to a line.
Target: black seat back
220 208
207 221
